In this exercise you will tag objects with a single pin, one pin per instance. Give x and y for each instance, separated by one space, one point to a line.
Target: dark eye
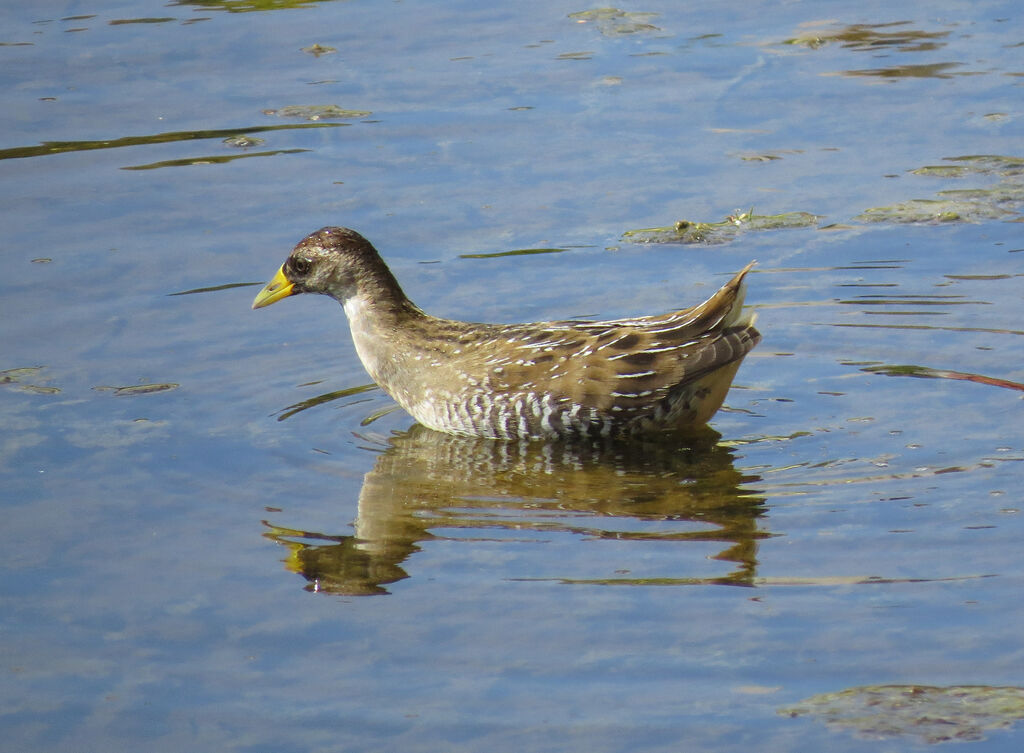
298 266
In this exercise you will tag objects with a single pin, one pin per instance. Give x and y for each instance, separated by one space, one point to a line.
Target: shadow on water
426 481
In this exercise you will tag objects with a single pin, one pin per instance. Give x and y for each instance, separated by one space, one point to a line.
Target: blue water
212 563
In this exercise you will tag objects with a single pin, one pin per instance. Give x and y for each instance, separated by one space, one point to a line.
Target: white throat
359 320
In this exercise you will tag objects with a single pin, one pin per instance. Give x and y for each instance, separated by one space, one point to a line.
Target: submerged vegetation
318 112
686 231
26 378
1003 200
928 713
612 22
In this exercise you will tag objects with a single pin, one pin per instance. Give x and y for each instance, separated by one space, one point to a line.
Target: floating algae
929 713
687 231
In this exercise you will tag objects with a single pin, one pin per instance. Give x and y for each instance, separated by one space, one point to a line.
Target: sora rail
526 381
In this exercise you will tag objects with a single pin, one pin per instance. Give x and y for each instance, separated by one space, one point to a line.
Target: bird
544 380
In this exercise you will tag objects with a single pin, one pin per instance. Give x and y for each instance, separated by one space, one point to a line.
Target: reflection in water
211 160
887 39
871 37
928 70
60 147
246 6
637 491
312 402
929 713
924 372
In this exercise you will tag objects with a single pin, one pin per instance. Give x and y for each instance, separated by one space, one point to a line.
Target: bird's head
334 261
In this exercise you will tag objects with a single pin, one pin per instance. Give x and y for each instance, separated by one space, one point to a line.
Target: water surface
218 536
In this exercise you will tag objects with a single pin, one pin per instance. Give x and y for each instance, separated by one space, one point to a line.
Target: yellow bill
275 290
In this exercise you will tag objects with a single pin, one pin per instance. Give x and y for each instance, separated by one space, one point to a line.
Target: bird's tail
729 299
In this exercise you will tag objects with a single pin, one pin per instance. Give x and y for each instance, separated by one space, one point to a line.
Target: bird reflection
426 481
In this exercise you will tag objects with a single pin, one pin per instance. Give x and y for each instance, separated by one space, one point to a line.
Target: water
217 536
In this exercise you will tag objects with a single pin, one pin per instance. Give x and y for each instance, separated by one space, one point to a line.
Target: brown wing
638 363
624 367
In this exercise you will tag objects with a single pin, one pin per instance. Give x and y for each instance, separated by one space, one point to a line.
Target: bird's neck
380 328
